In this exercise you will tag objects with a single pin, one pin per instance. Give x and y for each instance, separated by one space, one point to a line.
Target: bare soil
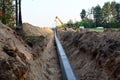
14 55
46 64
20 61
94 56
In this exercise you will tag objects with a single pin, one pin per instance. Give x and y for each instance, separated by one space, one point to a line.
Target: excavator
62 24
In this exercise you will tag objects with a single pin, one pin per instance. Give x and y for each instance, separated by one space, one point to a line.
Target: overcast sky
42 12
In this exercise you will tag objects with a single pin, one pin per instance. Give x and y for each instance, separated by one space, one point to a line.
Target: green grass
95 29
116 28
101 30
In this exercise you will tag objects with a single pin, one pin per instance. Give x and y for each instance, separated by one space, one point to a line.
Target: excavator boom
57 18
63 25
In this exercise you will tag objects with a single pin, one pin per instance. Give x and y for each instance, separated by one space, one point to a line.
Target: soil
20 61
45 65
14 55
94 56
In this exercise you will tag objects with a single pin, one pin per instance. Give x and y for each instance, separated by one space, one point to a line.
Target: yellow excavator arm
62 24
57 18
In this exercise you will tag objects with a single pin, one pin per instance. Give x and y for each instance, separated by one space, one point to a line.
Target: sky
42 13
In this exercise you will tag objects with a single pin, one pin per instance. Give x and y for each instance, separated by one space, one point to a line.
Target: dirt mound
14 55
45 65
94 56
20 61
31 30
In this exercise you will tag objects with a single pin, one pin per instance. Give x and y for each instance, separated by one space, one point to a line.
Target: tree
106 12
106 16
16 12
113 14
3 11
20 15
87 23
113 10
10 13
70 23
77 24
83 14
118 13
7 12
19 26
97 16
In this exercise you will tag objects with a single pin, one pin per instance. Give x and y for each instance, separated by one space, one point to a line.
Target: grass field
101 30
96 30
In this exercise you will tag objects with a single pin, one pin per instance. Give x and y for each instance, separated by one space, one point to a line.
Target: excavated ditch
45 65
33 57
94 56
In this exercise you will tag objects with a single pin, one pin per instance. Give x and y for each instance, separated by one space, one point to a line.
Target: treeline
10 13
106 16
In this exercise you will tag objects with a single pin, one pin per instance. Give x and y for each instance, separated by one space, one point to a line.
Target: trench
47 66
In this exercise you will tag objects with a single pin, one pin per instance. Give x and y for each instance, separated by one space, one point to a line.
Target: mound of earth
20 61
94 56
45 65
14 55
31 30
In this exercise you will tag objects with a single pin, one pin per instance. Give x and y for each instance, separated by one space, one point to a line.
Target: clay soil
94 56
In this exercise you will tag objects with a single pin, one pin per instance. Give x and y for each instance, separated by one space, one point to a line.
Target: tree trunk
20 15
19 28
3 12
16 9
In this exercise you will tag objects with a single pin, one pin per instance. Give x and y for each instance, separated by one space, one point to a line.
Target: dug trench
45 65
93 55
33 57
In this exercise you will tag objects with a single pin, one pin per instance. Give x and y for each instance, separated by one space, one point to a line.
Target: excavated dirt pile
14 55
45 64
31 58
94 56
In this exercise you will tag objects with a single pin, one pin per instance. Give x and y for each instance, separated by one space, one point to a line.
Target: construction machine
62 24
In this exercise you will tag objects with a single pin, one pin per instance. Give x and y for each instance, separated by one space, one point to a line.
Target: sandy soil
46 66
94 56
14 55
19 61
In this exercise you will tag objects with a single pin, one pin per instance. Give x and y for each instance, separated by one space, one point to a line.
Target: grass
116 28
101 30
95 29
